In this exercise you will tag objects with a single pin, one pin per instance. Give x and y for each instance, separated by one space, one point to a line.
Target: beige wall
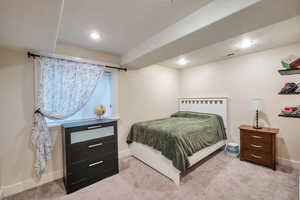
144 94
16 88
244 78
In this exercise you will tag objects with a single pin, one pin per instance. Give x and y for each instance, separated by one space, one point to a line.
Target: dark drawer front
258 157
257 137
76 186
86 150
92 169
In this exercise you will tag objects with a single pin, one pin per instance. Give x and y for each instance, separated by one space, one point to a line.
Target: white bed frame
154 158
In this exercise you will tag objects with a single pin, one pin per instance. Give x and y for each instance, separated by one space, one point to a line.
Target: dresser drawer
85 182
91 133
258 157
92 169
86 150
256 137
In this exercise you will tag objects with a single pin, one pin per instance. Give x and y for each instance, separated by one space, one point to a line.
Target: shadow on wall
282 149
281 144
28 108
263 119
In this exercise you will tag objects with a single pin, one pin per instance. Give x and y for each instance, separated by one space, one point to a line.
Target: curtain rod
29 54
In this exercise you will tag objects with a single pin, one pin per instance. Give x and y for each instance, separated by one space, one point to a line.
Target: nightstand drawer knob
257 137
256 146
255 156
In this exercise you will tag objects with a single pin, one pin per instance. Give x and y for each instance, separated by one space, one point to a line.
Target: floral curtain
63 88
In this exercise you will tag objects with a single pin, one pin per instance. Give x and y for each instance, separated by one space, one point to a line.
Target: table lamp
257 107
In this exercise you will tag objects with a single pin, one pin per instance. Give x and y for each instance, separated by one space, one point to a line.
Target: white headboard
214 105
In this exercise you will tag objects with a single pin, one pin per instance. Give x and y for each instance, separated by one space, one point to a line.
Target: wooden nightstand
258 145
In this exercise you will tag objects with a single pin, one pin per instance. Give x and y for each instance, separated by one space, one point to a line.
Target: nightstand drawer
258 145
257 137
258 157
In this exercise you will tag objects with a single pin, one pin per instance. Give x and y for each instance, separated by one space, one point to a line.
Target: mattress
179 136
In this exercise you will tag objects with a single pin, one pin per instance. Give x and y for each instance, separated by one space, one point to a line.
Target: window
102 95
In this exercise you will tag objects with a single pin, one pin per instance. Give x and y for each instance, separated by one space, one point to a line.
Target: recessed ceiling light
95 35
247 43
182 61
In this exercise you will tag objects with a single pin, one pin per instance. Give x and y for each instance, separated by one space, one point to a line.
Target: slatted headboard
214 105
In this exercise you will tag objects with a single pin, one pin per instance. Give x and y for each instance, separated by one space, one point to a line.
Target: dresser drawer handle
256 146
96 163
255 156
93 127
255 136
95 145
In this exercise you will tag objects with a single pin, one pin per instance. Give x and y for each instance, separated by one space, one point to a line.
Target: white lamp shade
257 104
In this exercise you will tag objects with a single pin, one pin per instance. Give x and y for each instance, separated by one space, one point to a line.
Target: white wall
244 78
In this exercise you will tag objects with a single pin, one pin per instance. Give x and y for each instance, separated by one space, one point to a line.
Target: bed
174 144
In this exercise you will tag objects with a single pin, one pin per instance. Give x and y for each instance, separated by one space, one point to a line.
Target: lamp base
257 127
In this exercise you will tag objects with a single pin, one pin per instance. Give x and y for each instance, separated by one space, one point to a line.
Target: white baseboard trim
291 163
30 183
124 153
46 178
298 187
1 193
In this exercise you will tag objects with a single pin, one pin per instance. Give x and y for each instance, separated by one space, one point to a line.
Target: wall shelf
290 116
289 71
293 93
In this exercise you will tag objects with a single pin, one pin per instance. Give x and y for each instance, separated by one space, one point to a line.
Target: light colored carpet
220 177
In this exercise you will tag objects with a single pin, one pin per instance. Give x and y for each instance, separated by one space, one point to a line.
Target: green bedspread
179 136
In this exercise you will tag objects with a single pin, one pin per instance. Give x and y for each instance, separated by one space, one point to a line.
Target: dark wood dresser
258 145
90 152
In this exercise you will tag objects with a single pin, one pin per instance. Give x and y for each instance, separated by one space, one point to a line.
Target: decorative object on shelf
291 62
257 107
233 149
292 65
100 111
290 88
289 71
290 116
290 112
293 93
